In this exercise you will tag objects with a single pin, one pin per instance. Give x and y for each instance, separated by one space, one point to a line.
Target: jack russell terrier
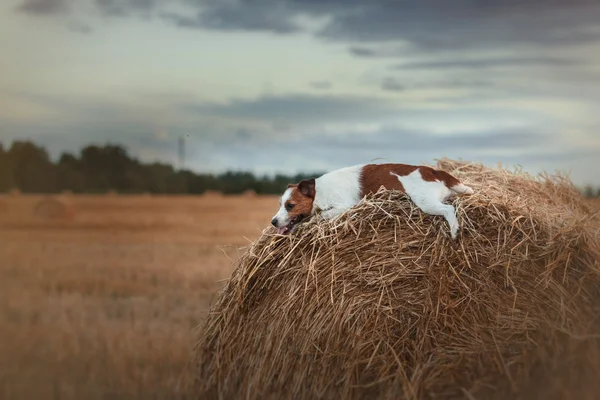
339 190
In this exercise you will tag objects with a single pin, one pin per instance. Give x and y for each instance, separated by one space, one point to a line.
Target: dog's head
296 205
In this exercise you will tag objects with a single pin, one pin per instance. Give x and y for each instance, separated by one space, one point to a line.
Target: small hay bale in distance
54 208
381 303
212 193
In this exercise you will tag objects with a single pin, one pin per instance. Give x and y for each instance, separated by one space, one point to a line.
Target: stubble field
104 305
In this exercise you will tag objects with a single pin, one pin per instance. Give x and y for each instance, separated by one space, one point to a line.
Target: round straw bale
14 192
381 303
54 207
249 193
212 193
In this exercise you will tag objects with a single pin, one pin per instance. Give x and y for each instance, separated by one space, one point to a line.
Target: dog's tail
451 182
462 189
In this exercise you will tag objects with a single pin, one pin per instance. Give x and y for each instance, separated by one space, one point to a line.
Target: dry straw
54 207
381 303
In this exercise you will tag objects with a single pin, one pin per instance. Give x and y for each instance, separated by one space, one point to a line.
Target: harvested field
104 305
381 303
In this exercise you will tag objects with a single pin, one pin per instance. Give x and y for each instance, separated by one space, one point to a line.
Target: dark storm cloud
432 25
443 25
428 25
43 7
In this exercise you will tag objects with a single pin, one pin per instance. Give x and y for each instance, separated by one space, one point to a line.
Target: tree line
100 169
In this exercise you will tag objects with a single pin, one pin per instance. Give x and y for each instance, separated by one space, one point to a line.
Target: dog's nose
274 222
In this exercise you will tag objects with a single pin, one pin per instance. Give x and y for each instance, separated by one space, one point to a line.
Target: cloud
435 25
431 25
121 8
394 85
364 52
408 140
322 85
442 25
463 63
239 16
298 108
391 84
79 27
43 7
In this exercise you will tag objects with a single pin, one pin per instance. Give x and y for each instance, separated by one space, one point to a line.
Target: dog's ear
307 187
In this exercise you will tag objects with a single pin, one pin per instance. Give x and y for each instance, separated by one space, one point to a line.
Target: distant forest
100 169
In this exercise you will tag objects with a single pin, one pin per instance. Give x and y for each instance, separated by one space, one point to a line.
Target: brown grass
381 303
105 305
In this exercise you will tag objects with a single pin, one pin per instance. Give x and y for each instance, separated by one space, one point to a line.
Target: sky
308 85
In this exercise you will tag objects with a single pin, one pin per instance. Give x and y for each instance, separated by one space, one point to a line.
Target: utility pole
181 151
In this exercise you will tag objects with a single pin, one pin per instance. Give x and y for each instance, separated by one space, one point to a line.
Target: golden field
102 301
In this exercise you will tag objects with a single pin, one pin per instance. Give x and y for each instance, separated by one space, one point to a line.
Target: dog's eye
289 206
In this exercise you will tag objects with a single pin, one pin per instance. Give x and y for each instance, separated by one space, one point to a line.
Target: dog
335 192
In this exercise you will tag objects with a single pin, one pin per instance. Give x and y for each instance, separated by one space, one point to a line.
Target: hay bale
54 207
14 192
249 193
212 193
381 303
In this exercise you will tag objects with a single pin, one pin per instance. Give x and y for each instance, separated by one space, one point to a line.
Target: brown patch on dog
301 199
432 175
373 176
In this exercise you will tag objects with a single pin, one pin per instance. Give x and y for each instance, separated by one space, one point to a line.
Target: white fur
282 215
429 197
462 189
339 190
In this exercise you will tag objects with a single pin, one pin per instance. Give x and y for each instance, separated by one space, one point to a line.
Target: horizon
592 190
288 87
